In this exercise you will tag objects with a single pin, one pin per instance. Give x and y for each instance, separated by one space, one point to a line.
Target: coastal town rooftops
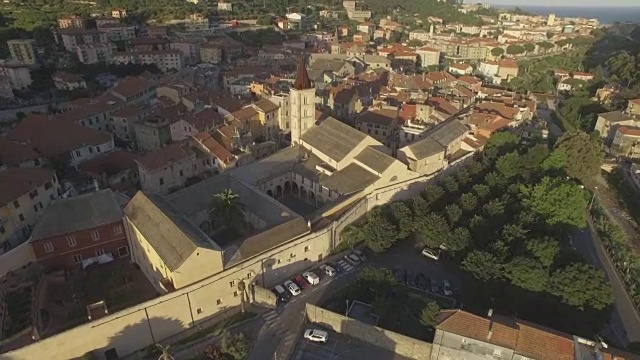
333 138
164 156
424 148
17 181
77 213
384 117
111 163
12 153
170 234
131 85
448 131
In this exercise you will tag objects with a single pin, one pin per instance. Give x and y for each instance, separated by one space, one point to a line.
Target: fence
385 339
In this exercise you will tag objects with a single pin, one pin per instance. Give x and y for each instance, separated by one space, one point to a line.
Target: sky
582 3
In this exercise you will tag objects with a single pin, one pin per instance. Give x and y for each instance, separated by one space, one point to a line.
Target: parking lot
340 347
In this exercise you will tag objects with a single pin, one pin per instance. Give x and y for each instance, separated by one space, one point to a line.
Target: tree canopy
585 154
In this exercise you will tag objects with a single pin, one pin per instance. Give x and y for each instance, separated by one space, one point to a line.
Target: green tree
545 250
581 285
462 176
494 208
453 213
449 184
503 141
529 47
431 230
482 265
545 46
515 49
468 201
377 280
378 232
585 153
497 52
495 181
481 190
402 219
236 346
414 43
432 193
226 208
527 273
509 165
419 207
513 233
265 20
459 239
351 235
558 201
429 315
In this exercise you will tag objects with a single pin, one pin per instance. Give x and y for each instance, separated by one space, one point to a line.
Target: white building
95 53
17 72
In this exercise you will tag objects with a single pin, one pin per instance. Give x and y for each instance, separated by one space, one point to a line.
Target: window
78 153
306 249
279 261
292 255
35 207
99 252
95 235
33 194
250 274
232 283
71 241
90 150
181 173
21 217
161 181
98 148
47 185
2 230
235 294
219 302
497 352
123 251
117 230
77 258
199 311
40 205
48 247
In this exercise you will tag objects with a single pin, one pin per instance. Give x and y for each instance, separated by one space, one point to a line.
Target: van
282 295
311 278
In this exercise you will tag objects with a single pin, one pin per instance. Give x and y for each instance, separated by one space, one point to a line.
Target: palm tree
164 349
228 208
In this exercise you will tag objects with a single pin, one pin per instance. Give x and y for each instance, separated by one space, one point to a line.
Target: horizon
565 4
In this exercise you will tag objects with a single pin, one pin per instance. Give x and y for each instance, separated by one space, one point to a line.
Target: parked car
431 254
360 255
281 294
353 259
311 278
291 287
446 288
300 282
434 286
335 267
328 270
316 335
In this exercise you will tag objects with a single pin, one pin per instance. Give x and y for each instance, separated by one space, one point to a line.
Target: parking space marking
346 266
270 317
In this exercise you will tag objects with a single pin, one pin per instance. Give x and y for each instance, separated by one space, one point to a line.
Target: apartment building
95 53
80 230
22 50
190 49
116 170
134 90
379 123
24 194
17 72
202 121
152 133
73 37
67 82
429 56
211 53
118 31
122 121
165 60
6 92
72 22
119 13
168 168
420 35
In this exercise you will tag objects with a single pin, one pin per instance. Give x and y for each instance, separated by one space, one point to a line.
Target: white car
431 254
292 287
353 259
359 254
328 270
311 278
316 335
446 288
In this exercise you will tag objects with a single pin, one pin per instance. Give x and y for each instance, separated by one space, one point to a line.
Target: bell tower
303 97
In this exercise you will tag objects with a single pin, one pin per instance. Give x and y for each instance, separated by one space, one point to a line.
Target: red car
302 284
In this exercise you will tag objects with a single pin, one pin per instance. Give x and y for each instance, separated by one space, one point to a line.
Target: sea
606 15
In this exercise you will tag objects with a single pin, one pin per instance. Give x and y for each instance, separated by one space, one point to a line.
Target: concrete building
116 170
118 31
165 60
22 50
72 22
633 107
420 35
608 123
68 82
429 56
190 49
24 195
17 72
380 124
119 13
73 37
153 132
211 53
80 230
6 92
167 169
95 53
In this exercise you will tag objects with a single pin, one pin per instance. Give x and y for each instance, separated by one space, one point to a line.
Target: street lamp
593 197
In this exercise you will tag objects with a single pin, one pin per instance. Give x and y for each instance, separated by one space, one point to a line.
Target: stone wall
16 258
385 339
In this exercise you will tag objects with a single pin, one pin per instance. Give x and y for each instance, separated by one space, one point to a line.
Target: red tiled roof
127 111
475 327
462 67
17 181
111 163
537 342
66 77
407 112
163 156
13 153
131 85
52 138
508 64
469 80
635 101
629 131
442 104
214 147
497 108
204 119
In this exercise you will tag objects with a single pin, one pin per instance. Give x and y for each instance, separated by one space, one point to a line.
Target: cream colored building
168 168
17 72
95 53
24 194
22 50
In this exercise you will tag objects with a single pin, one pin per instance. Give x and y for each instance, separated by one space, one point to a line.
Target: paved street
340 347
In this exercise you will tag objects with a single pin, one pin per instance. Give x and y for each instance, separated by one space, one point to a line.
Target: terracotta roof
428 49
13 153
66 77
127 111
111 163
442 104
407 112
342 94
214 147
629 131
245 113
464 91
131 85
475 327
581 74
469 80
302 77
204 119
508 64
459 66
635 101
163 156
497 108
17 181
52 138
384 117
537 342
266 105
